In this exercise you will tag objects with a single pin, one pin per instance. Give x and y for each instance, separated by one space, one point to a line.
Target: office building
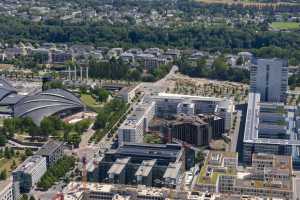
29 172
52 151
133 128
147 164
270 128
6 190
197 130
168 105
144 173
270 176
269 77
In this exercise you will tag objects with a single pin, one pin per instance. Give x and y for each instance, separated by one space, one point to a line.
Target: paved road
235 136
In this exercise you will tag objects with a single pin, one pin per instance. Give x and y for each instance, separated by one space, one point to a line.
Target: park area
285 25
90 102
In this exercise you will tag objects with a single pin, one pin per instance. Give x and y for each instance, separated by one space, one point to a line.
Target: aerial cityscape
150 100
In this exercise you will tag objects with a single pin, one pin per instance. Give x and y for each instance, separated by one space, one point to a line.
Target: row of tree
108 116
57 171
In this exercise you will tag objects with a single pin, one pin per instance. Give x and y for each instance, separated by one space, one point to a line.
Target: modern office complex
269 77
147 164
29 172
268 177
168 105
197 130
271 128
52 151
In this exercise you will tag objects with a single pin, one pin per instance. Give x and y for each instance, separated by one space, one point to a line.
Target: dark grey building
147 164
197 130
52 151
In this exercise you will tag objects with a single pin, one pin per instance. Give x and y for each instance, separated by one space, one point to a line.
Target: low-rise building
29 172
269 175
95 191
128 93
52 151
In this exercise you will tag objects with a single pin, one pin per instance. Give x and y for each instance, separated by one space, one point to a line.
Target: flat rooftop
30 163
173 170
145 168
149 150
75 190
118 166
49 147
253 125
137 116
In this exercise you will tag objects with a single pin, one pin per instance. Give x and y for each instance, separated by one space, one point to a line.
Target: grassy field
7 164
90 102
285 25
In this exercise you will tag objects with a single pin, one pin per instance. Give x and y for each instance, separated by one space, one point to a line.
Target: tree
3 175
101 120
102 94
200 158
32 198
28 152
3 140
24 197
47 127
7 153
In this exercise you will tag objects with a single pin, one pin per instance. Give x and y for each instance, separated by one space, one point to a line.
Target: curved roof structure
6 89
46 103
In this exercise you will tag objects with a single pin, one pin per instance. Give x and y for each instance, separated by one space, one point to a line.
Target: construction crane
84 173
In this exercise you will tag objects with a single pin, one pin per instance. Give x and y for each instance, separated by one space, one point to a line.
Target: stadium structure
37 106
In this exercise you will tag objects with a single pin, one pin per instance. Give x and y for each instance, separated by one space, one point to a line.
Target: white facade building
30 172
133 128
269 77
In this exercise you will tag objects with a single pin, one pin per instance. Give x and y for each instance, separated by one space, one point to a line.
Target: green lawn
90 102
285 25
